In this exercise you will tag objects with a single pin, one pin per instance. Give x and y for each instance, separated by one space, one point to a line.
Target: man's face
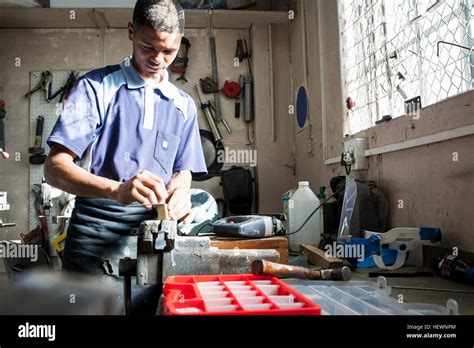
153 51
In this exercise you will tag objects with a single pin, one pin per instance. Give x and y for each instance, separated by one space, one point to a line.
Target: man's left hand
179 205
179 198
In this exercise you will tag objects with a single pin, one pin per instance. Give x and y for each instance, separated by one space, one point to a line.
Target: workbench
464 300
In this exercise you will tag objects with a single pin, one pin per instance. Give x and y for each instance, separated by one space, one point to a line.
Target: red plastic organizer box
234 295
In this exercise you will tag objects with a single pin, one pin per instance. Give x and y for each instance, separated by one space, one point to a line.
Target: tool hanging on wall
242 52
215 71
232 90
37 151
62 219
45 85
212 113
247 92
64 90
209 86
40 235
238 100
6 224
3 152
181 62
248 98
245 84
210 119
219 116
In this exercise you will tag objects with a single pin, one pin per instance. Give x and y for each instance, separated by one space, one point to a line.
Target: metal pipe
452 44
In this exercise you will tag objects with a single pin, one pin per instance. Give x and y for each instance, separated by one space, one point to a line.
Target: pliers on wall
64 90
45 85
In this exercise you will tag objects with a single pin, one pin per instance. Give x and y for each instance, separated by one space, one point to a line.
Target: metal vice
162 253
155 237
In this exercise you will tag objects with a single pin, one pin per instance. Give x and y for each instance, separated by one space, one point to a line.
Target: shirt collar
135 81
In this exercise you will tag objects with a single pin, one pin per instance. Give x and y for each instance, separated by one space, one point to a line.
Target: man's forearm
67 176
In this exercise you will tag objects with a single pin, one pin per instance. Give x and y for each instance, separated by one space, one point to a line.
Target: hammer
263 267
37 151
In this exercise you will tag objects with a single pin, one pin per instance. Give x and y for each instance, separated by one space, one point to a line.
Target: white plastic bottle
301 204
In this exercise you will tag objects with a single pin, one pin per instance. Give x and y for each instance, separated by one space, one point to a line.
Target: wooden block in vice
318 257
280 244
162 212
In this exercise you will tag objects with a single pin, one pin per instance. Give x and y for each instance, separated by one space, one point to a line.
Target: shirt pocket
166 148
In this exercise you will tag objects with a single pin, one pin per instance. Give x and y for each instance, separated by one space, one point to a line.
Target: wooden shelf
43 18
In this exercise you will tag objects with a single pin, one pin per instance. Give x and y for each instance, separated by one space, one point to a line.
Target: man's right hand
144 188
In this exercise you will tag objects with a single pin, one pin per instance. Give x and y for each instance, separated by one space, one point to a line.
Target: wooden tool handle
263 267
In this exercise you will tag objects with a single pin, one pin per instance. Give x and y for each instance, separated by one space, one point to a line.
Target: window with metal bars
395 50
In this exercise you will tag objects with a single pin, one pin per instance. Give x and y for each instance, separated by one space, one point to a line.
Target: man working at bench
137 138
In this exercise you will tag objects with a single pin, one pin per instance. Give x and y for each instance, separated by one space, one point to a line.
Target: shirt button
164 144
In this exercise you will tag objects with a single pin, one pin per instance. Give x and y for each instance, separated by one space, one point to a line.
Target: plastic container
298 206
234 295
364 298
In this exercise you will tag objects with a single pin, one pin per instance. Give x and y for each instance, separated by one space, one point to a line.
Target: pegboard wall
50 111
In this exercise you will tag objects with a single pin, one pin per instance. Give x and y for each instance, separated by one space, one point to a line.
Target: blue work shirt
119 126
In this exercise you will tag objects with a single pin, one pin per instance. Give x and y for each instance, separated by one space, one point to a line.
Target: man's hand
145 188
179 205
179 201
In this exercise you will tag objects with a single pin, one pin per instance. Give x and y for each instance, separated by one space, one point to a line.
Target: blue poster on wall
301 107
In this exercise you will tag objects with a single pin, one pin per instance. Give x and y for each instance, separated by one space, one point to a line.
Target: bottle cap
303 183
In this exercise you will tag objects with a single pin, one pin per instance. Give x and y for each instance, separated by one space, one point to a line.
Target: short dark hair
161 15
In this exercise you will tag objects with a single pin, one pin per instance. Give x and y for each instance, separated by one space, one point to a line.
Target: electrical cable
315 210
202 227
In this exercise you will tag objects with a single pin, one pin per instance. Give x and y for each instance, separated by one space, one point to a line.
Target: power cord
315 210
202 227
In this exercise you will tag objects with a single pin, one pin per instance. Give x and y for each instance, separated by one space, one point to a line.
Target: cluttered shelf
52 18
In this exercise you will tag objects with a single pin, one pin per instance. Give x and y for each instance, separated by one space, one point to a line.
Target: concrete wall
435 181
437 191
84 49
38 50
316 63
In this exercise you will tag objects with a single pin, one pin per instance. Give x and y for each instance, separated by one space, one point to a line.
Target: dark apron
100 233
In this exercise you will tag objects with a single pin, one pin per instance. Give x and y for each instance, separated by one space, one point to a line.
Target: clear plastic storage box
363 298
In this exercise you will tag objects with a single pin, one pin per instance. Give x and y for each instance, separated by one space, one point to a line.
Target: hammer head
37 159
